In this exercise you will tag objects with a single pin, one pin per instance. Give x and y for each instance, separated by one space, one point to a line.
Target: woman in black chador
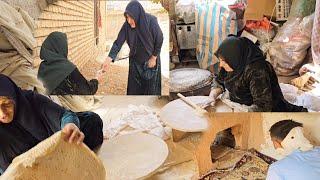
59 75
250 79
142 33
27 118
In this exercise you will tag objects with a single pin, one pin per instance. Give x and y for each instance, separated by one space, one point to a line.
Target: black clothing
36 118
253 81
144 41
59 75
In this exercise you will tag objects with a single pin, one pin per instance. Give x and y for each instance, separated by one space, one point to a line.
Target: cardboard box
258 8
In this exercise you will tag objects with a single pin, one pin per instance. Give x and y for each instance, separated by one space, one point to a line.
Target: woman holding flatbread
59 75
27 118
142 33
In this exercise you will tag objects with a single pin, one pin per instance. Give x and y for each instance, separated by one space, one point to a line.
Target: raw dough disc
133 156
180 116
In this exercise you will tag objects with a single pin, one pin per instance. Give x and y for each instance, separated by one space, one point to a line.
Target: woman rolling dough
249 78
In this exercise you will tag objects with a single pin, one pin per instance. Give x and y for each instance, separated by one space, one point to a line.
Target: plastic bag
262 29
302 8
289 48
185 10
316 36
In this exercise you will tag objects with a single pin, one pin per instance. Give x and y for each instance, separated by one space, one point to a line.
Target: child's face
6 110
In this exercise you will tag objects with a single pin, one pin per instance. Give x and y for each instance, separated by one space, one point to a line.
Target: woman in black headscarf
249 78
59 75
27 118
142 33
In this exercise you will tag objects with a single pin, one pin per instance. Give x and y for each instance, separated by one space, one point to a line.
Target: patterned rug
239 164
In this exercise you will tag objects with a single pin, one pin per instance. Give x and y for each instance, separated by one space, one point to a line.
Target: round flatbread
180 116
133 156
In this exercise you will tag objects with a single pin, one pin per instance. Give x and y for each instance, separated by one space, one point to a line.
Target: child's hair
7 105
282 128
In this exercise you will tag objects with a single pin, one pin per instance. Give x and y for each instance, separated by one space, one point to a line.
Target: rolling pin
198 109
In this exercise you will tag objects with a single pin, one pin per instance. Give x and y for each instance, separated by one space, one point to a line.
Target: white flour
137 119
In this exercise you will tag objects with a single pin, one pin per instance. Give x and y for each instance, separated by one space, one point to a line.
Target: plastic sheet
214 22
262 29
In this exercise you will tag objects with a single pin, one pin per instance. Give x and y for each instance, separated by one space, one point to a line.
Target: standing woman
59 75
142 33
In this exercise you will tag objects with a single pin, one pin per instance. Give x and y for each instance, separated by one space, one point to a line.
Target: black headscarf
35 119
55 66
238 52
142 29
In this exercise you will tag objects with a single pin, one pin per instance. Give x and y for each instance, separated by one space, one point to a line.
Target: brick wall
76 19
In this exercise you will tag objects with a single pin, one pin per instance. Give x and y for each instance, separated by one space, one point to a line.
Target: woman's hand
106 63
214 93
100 74
152 62
73 134
303 70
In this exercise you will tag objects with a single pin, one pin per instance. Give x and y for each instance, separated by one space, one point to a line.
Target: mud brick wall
76 19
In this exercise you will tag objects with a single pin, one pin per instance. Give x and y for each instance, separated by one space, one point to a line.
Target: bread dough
54 159
181 116
133 156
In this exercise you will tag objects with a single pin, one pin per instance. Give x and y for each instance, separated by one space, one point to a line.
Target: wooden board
133 156
180 116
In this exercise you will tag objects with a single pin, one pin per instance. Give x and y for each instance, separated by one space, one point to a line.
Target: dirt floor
116 79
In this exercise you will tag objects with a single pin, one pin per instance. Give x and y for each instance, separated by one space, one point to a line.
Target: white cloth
295 140
17 44
137 119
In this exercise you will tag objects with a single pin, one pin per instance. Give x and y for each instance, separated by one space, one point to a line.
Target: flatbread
180 116
133 156
188 79
54 159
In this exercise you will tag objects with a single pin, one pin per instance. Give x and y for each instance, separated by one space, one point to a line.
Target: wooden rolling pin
198 109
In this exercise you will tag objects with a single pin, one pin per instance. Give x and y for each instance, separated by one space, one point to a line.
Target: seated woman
59 75
249 78
301 159
27 118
